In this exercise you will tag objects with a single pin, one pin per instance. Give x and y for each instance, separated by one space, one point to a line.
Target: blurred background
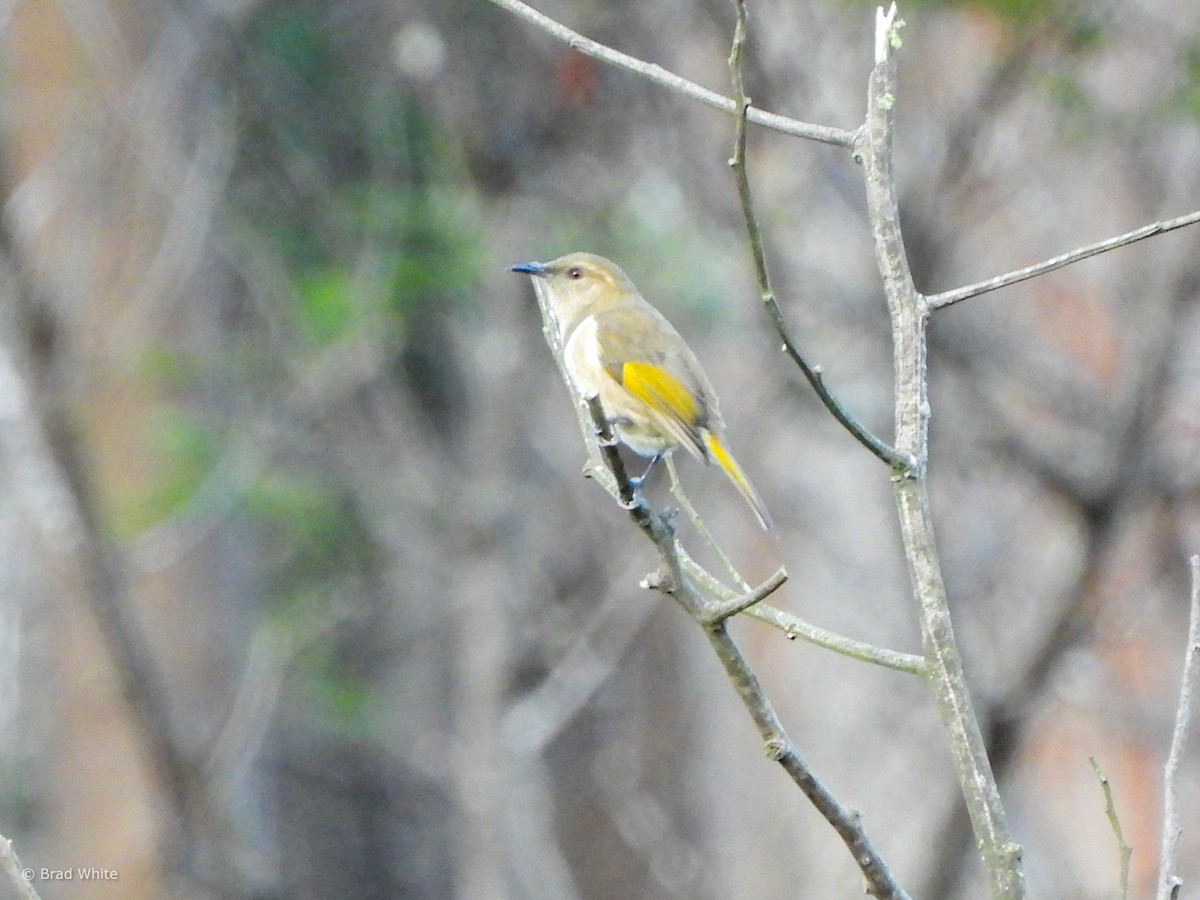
301 592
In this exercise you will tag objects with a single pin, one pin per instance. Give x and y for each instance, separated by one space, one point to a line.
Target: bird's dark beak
529 268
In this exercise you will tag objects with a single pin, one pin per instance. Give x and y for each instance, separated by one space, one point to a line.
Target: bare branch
795 627
702 529
1169 882
1110 811
720 611
814 374
946 298
910 315
629 498
656 73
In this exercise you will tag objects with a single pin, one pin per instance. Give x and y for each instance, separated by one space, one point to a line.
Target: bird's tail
729 465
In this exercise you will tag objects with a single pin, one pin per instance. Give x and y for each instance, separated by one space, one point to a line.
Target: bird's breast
581 354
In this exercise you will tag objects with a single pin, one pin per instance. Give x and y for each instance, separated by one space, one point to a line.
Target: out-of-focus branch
539 716
1114 821
910 314
59 501
15 871
946 298
815 376
823 133
1169 883
670 578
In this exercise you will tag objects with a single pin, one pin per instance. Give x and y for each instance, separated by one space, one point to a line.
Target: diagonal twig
823 133
795 627
946 298
718 612
699 524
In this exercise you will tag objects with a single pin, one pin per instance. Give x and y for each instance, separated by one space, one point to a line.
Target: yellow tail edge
729 465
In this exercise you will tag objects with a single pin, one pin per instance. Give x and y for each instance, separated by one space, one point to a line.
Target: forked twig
909 314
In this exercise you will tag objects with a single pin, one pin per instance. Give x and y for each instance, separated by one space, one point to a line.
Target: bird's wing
670 383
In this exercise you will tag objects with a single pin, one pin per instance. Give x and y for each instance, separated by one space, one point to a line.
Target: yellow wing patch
661 392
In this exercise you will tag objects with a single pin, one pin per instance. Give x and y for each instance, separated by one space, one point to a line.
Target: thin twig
946 298
701 528
718 612
795 627
1114 821
814 374
825 134
1169 881
710 582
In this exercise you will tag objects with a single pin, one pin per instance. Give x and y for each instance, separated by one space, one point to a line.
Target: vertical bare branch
910 314
1169 883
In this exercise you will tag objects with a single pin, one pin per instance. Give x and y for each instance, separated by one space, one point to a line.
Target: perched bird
618 347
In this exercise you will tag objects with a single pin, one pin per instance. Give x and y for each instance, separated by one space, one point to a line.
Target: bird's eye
575 273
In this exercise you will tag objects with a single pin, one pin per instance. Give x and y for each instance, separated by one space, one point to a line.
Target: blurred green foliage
193 447
345 184
326 304
1185 100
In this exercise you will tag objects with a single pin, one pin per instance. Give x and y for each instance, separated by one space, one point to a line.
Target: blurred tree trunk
87 225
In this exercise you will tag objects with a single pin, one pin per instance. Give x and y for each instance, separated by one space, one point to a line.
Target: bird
619 348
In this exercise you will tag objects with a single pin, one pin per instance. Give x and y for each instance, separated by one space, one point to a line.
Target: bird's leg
636 483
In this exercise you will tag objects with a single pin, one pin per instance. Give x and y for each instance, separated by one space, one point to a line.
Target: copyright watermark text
75 873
